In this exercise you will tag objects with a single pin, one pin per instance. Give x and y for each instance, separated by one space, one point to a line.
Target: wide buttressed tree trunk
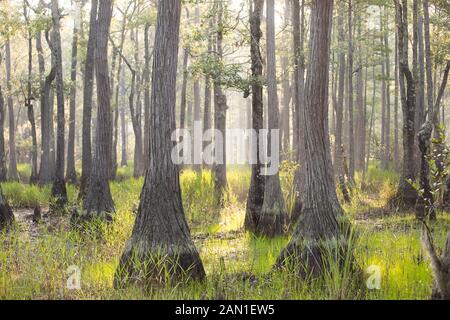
406 194
71 174
321 233
88 86
255 197
59 184
160 243
98 199
274 216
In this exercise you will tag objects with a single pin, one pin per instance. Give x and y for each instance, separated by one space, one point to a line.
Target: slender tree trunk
3 170
406 194
339 156
147 58
139 166
274 216
45 176
220 117
88 86
287 94
29 105
12 172
387 149
372 120
184 89
123 123
255 197
396 108
119 74
360 134
351 135
98 199
71 174
166 249
59 184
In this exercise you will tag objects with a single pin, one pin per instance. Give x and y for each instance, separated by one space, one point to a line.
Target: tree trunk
287 95
351 136
3 170
88 86
45 176
71 174
220 117
255 198
123 123
321 228
161 242
119 75
396 107
12 172
98 199
6 214
339 156
59 185
29 104
360 120
387 148
147 58
183 101
406 194
274 216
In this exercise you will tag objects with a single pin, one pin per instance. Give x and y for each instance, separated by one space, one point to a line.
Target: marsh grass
238 265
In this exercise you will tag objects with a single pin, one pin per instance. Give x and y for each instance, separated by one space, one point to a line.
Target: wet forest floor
39 260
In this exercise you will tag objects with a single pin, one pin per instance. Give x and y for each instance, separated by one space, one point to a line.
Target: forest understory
35 256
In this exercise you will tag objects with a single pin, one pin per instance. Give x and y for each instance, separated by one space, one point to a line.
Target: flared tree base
405 198
59 194
6 214
146 265
98 202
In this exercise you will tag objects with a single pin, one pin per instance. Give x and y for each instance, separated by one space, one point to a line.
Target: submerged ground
37 260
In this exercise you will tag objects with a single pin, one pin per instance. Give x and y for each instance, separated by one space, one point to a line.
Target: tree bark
59 185
3 170
406 194
274 217
12 172
220 116
98 201
88 87
351 136
147 58
321 227
161 241
339 156
71 174
45 176
255 197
